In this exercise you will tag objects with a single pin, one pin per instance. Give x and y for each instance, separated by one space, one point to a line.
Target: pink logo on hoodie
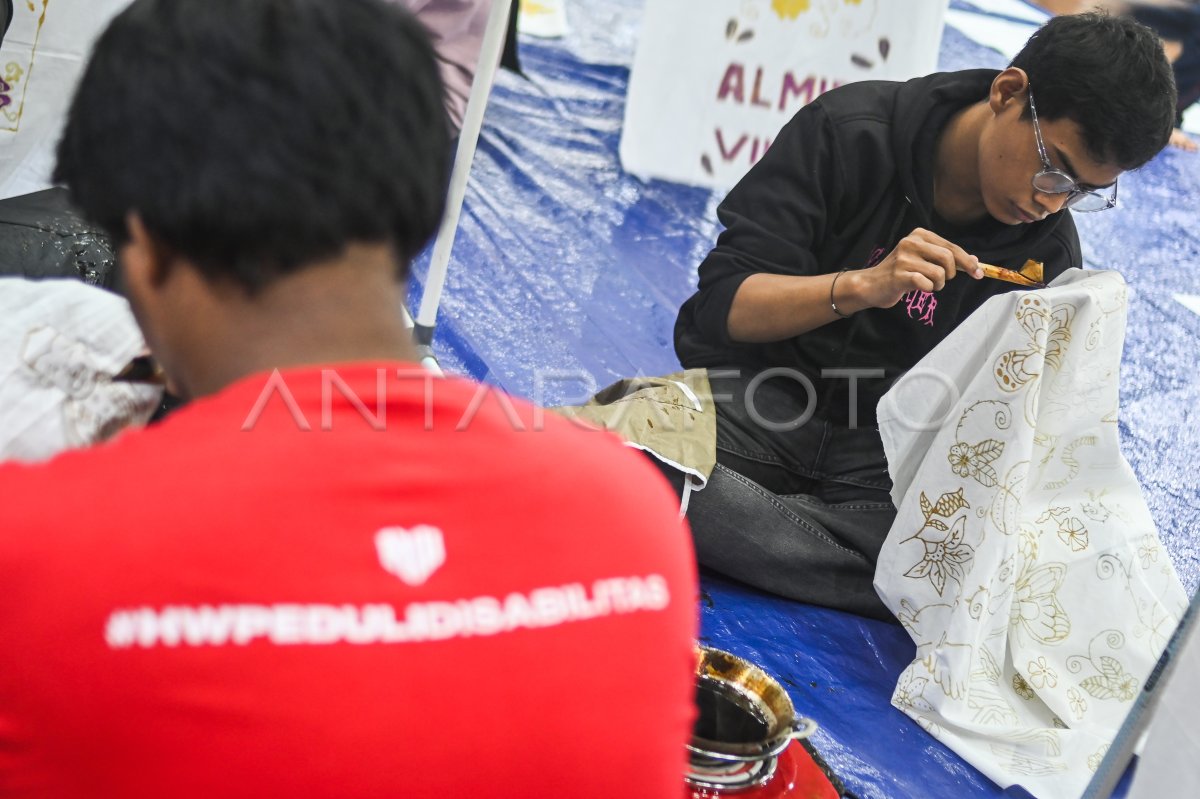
920 305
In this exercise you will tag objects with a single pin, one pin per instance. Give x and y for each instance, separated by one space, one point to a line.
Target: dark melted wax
727 717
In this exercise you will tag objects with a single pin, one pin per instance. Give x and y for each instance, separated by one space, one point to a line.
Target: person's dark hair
1109 75
6 11
255 137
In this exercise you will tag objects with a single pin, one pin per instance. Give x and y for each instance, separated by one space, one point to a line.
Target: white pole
489 59
424 351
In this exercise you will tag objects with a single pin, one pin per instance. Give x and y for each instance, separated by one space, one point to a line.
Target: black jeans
798 512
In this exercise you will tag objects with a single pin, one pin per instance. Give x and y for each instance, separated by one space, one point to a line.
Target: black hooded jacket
847 178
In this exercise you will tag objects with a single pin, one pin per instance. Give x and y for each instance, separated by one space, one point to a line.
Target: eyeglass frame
1074 193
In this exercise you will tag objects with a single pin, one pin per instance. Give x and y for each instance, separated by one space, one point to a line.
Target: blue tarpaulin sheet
567 274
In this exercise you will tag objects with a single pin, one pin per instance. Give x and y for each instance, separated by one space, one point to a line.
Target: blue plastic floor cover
567 274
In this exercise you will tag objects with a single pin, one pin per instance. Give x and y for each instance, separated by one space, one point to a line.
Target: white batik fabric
61 343
1023 561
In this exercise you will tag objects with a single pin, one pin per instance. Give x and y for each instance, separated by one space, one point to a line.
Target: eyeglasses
1052 181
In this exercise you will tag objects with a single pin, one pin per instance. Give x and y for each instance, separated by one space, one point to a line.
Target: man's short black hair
257 136
1108 74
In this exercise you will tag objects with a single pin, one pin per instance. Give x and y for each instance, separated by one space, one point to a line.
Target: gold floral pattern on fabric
910 692
933 619
1077 702
1148 551
975 461
945 553
1048 331
1109 679
1151 621
1034 586
989 703
1073 534
1096 758
1040 674
1067 459
1031 753
1035 607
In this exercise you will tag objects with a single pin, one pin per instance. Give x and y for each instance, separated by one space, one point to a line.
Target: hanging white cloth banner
41 60
712 83
1023 561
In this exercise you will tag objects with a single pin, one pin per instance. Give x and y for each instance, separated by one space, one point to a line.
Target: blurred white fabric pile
61 343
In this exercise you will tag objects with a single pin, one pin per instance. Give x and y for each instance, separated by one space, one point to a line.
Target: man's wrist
845 294
844 314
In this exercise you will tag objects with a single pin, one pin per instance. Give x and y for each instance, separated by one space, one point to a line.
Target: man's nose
1052 203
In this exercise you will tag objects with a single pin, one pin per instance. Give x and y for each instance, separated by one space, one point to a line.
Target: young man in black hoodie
853 247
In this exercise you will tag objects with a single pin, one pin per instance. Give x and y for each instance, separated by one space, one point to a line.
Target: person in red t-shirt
329 574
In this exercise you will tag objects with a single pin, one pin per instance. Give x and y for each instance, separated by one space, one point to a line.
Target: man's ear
145 262
1009 87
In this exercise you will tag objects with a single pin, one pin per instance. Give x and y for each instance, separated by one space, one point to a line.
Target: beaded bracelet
833 304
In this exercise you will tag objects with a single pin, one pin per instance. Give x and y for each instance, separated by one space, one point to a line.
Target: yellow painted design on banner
789 9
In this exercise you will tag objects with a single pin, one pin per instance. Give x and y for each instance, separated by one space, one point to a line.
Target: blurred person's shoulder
280 427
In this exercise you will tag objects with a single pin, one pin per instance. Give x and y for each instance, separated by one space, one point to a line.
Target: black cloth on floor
43 236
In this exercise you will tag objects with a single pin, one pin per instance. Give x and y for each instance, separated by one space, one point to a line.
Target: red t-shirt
351 582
